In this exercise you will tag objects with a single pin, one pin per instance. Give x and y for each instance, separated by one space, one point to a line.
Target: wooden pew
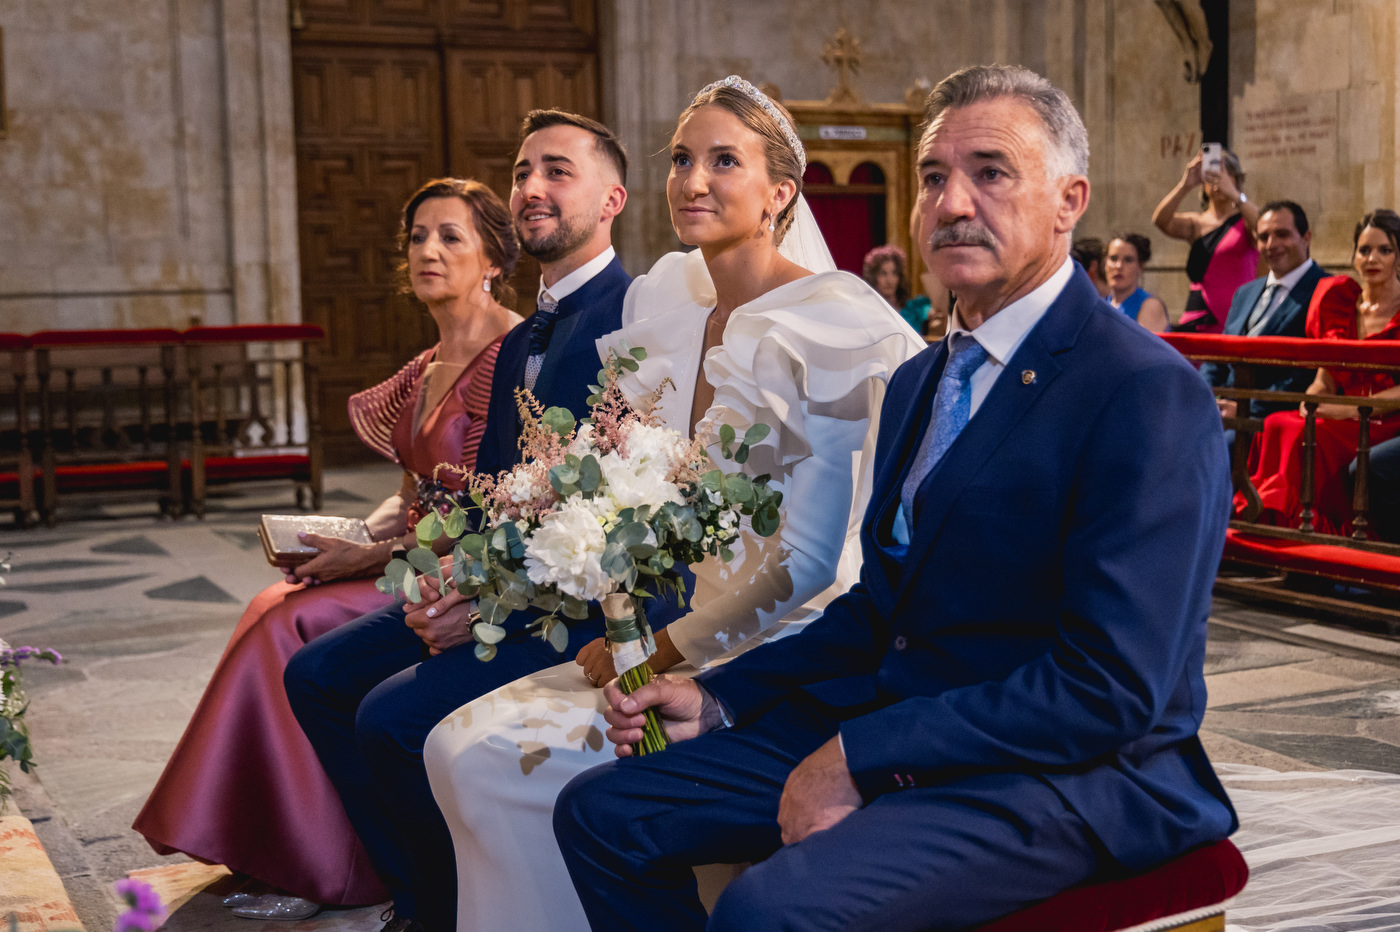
1355 560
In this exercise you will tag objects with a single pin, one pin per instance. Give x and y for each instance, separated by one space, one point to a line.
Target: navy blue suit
1287 320
1018 696
367 694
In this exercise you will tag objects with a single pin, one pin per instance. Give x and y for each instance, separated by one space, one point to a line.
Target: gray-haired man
1006 704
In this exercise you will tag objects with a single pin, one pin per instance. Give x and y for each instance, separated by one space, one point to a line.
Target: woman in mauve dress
1223 252
243 787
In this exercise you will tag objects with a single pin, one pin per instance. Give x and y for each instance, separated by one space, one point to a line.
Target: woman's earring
486 284
772 222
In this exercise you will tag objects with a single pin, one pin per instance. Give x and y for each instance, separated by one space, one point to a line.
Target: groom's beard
568 236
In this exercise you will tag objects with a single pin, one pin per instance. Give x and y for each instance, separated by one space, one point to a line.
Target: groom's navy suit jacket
1049 616
570 364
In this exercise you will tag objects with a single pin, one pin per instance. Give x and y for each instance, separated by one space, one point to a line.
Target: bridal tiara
762 99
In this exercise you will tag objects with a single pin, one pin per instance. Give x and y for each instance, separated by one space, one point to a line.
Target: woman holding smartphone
1223 252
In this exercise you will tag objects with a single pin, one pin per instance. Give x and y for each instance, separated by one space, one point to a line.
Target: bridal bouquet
603 511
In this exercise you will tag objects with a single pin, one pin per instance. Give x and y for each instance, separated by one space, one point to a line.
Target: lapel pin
1028 377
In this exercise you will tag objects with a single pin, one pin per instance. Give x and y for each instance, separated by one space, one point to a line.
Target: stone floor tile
1222 748
1257 685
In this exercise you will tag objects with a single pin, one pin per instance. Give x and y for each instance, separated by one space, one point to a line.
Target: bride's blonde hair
779 155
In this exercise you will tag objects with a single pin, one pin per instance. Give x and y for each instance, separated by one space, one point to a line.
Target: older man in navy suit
1007 703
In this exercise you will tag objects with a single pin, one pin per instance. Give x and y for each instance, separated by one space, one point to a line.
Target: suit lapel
1026 377
1251 292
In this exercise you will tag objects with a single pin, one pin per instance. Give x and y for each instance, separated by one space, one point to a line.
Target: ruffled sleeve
810 359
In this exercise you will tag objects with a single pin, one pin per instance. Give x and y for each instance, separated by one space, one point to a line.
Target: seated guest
1340 310
1273 306
886 269
1007 703
1127 254
244 788
1223 251
1089 253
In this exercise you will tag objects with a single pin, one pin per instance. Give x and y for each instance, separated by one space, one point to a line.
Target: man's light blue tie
952 406
541 329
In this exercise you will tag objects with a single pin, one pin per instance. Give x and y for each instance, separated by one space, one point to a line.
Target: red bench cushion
1204 877
90 477
1373 354
102 337
248 333
249 468
1358 567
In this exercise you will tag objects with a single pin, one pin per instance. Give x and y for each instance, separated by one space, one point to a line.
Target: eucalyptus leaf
629 364
756 433
488 634
513 598
766 521
726 434
577 609
558 635
559 420
409 584
485 652
741 455
590 474
491 610
385 585
638 352
423 560
474 544
456 524
429 528
738 488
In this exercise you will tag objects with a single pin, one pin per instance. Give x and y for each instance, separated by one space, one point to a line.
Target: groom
367 694
1006 704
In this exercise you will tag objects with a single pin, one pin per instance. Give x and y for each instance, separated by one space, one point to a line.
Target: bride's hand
596 660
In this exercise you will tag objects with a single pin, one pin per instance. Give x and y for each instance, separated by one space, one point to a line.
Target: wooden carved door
391 93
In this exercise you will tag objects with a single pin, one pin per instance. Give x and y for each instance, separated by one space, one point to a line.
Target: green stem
654 736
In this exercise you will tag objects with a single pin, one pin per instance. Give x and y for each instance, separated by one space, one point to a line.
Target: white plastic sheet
1323 850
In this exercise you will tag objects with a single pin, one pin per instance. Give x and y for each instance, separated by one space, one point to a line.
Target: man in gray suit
1273 306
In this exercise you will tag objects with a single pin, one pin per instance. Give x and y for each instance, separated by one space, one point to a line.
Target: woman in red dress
1340 310
243 787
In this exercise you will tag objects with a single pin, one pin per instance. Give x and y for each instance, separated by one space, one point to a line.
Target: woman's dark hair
491 220
1142 244
1387 221
877 257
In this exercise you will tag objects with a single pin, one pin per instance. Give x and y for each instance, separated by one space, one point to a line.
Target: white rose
654 446
566 550
634 485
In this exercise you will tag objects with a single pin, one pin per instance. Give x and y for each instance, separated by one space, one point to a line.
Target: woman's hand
338 559
1191 177
596 660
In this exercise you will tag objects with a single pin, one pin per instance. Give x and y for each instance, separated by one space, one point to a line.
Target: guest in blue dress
1127 254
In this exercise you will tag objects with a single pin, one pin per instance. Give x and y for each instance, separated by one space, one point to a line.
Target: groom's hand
819 793
685 707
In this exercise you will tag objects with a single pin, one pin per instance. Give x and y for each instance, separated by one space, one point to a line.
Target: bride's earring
486 284
772 222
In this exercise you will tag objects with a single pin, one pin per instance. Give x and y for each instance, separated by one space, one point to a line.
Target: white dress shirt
577 278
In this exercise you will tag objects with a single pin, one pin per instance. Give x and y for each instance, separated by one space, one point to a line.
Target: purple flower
145 910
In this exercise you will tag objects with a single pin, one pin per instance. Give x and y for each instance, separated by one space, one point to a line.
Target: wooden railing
157 414
1354 559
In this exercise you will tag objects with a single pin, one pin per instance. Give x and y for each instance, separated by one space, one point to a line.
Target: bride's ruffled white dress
810 359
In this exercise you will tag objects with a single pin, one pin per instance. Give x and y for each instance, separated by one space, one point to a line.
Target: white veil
804 243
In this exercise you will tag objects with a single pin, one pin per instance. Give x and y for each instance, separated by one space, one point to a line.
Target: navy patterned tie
541 329
952 407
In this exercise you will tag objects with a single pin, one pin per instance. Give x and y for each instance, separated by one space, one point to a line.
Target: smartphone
1210 158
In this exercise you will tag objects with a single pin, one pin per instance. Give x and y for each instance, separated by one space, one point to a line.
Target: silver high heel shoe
238 899
277 906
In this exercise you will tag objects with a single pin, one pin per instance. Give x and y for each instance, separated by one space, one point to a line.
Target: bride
754 326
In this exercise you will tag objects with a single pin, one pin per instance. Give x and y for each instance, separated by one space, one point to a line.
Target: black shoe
394 923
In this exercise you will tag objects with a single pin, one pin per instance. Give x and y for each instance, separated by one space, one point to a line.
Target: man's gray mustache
962 234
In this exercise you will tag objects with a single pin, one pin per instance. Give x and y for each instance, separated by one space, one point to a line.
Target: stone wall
1330 67
147 176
